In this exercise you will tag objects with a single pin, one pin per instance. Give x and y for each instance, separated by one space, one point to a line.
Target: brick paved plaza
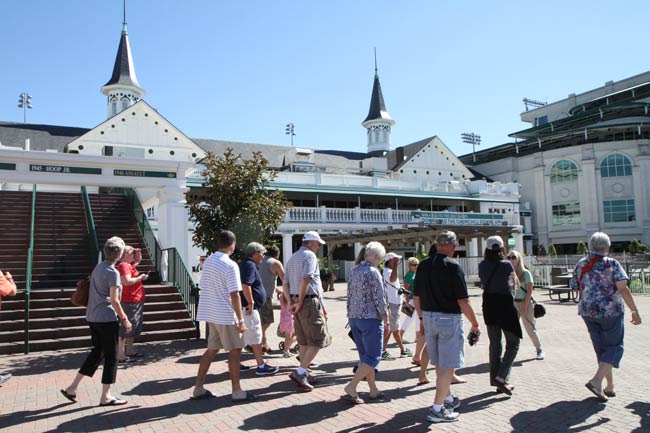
549 397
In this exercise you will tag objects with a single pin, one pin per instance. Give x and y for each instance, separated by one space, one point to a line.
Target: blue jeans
369 338
607 338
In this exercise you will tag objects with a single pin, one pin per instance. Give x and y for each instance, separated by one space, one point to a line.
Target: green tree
636 247
582 248
236 197
541 250
551 250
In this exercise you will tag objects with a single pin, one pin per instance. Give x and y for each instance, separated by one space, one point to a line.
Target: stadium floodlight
289 130
25 102
473 139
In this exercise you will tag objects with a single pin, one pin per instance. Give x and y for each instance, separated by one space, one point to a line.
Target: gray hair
446 238
375 249
113 249
252 248
599 242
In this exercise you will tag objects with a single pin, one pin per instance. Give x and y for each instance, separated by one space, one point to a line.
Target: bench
555 292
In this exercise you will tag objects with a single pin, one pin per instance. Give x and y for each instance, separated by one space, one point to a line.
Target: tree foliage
582 248
551 250
236 197
541 250
636 247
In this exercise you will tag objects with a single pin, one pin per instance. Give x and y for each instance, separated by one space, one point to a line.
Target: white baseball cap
313 236
494 243
392 255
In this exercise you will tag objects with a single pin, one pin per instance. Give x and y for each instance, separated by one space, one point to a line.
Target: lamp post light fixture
25 102
473 139
289 130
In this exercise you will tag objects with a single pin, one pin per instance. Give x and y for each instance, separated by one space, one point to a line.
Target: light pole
289 130
473 139
25 102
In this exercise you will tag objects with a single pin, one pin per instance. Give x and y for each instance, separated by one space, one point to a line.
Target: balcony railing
391 216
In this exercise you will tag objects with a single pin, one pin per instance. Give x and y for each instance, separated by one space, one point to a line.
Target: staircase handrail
90 223
28 272
148 236
177 273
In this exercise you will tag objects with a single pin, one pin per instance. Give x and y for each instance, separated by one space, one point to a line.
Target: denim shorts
607 338
369 337
445 339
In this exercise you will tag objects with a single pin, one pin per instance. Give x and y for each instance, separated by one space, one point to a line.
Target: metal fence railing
168 262
28 273
178 274
93 243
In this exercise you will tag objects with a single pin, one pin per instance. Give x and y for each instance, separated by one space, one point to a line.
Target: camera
472 338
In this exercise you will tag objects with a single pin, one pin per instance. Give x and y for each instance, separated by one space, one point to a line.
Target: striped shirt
303 263
220 278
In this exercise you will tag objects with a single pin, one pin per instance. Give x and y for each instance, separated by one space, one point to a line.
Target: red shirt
135 293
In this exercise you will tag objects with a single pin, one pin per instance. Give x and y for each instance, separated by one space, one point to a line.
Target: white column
642 196
472 247
357 248
519 241
287 246
173 220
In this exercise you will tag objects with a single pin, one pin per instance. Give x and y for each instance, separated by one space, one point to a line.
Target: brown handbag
80 296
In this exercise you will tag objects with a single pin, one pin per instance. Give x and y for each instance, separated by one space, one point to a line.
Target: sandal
206 395
597 392
416 363
71 397
377 396
248 396
114 402
351 399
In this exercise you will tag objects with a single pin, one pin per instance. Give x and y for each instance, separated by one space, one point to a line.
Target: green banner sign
144 173
7 166
457 218
64 169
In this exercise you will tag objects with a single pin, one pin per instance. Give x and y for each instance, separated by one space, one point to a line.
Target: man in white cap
304 292
392 286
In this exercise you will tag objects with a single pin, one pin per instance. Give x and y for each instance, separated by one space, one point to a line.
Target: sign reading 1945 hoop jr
64 169
143 173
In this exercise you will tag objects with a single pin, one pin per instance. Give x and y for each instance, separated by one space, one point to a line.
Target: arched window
113 106
564 171
125 103
616 165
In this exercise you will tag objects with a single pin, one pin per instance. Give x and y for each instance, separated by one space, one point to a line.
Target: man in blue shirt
253 298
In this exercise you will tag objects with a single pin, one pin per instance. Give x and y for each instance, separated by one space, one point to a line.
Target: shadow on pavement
121 417
642 409
401 422
53 361
560 416
295 416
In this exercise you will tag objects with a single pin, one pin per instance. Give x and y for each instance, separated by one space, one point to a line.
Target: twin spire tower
123 90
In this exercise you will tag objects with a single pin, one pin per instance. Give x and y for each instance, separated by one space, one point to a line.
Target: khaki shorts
253 333
266 312
226 337
309 324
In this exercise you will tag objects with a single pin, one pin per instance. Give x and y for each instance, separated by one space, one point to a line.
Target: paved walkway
549 397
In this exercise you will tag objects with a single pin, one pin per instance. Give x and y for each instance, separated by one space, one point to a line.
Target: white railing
390 216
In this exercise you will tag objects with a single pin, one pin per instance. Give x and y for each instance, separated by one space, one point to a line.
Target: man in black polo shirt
440 298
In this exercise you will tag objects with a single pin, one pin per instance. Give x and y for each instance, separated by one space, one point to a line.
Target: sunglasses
512 257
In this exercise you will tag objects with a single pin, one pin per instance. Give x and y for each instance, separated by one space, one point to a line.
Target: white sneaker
540 354
443 415
453 404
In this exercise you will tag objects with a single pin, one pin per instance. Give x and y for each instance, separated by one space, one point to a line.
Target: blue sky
241 70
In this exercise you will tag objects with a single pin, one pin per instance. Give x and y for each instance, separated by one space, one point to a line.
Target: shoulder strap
586 268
